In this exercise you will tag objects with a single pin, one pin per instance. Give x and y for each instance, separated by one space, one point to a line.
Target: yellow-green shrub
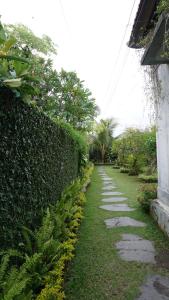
45 253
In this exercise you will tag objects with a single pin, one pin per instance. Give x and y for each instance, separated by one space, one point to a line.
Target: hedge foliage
38 270
38 159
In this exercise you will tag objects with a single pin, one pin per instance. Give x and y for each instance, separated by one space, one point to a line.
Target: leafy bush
38 159
136 149
44 254
133 172
124 170
147 192
116 167
148 178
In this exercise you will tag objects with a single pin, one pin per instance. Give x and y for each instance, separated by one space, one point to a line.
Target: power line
64 16
113 90
120 47
124 35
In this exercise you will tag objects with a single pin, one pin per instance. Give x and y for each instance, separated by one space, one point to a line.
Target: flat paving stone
108 187
114 199
156 287
106 179
123 221
108 183
111 193
117 207
134 248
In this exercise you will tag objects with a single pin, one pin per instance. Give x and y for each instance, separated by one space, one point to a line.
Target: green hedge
38 159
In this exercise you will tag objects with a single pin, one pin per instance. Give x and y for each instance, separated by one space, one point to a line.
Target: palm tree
104 136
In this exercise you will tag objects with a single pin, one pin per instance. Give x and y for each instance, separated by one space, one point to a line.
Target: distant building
151 31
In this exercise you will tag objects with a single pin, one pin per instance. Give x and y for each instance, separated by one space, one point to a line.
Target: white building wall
163 133
160 207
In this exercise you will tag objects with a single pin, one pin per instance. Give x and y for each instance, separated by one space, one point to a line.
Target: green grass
97 272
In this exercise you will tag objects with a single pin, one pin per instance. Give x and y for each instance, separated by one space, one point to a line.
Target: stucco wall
160 207
163 134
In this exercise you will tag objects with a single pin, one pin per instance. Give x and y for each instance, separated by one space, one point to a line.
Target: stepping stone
107 179
123 221
108 183
111 193
156 287
117 207
114 199
135 248
108 187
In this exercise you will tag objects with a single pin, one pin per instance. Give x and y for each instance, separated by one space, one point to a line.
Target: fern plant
37 270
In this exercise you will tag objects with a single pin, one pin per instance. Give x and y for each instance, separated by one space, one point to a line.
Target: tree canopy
60 94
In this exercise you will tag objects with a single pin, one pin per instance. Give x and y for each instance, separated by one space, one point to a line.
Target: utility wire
120 47
64 16
124 35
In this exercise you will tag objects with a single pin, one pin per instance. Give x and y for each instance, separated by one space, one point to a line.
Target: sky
91 38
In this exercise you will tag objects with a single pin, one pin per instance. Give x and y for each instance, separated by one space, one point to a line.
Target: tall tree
103 136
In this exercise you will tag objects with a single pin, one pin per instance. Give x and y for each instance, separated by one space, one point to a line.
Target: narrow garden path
121 253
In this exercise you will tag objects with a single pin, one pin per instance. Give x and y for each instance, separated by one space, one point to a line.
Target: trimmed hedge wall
38 159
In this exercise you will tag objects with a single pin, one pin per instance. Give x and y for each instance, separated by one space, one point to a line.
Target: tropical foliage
101 140
136 151
13 69
61 95
36 271
147 192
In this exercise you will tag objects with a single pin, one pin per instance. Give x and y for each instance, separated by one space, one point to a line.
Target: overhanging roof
157 51
143 22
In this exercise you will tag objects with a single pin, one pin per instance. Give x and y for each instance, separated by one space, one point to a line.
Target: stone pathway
111 193
114 199
123 221
106 180
117 207
156 288
132 247
108 187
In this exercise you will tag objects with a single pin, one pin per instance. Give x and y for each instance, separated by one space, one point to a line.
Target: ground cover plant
96 271
148 178
146 194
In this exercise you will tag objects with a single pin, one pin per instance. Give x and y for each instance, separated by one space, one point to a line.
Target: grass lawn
97 272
